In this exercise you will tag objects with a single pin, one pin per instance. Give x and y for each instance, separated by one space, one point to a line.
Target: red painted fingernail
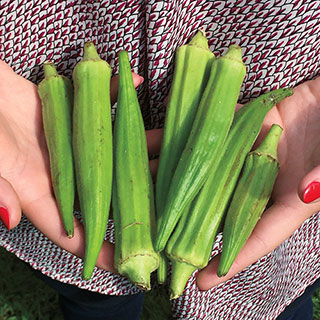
311 192
4 216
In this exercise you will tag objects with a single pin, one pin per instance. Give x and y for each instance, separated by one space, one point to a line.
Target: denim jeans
302 307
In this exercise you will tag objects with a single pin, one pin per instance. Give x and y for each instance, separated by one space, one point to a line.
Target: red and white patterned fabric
281 47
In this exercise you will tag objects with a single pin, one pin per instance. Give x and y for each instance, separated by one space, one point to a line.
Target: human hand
299 157
24 166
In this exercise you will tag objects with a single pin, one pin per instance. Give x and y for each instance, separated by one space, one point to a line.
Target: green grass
316 305
22 295
25 297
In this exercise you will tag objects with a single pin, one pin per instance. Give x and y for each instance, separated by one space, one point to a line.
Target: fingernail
4 217
311 192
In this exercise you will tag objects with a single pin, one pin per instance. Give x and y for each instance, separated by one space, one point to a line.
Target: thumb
309 186
137 80
10 210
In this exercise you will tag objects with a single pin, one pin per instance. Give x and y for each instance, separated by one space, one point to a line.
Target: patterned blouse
281 47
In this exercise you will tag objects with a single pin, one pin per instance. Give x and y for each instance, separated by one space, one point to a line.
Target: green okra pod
132 198
56 94
92 147
250 197
191 72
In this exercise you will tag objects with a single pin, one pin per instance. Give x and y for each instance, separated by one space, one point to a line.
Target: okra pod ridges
191 72
250 197
56 94
209 131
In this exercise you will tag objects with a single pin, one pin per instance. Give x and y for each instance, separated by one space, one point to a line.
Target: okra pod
92 147
56 94
132 198
191 72
250 198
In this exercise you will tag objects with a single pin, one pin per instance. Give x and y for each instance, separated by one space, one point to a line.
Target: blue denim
302 307
79 304
91 306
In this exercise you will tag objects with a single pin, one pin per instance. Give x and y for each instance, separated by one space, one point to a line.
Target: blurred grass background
25 297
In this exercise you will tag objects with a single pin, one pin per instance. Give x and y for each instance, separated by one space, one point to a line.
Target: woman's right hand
25 183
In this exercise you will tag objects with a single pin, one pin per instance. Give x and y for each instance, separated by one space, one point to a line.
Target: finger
238 107
10 210
44 215
309 186
276 225
154 140
137 80
153 164
5 69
